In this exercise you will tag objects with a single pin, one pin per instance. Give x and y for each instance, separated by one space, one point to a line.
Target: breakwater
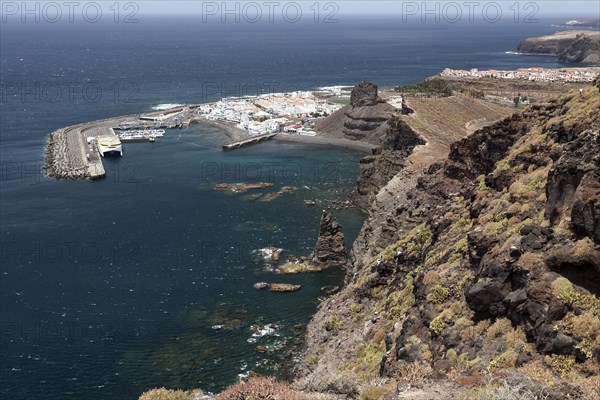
73 153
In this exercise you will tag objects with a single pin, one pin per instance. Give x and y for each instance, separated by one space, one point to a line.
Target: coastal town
530 74
77 152
293 113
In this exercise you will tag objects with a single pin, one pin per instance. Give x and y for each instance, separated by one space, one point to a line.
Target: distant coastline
570 46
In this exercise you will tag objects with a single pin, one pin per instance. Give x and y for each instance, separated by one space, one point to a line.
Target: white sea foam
166 106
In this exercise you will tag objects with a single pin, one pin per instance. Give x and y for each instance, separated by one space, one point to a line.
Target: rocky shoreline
463 274
60 161
570 46
68 156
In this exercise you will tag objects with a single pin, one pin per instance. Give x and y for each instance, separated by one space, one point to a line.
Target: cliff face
387 160
584 49
488 261
569 46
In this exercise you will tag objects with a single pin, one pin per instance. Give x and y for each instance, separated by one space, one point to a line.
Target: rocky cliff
476 278
376 170
569 46
483 271
365 118
370 119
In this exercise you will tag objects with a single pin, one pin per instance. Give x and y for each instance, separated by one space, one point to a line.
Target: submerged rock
261 349
299 267
275 195
329 290
284 287
270 254
242 187
260 285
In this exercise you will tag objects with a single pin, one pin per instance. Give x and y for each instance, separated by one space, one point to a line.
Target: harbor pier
247 141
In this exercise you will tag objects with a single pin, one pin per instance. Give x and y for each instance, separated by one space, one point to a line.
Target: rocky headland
475 277
368 118
483 278
364 119
572 46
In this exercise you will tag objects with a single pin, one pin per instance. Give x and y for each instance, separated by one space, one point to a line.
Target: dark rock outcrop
330 249
570 46
497 242
386 161
368 118
363 119
584 49
477 154
573 186
364 94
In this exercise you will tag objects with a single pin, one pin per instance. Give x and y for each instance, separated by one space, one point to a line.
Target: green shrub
334 324
564 290
355 311
370 358
561 364
437 325
433 86
169 394
313 359
500 327
373 393
439 294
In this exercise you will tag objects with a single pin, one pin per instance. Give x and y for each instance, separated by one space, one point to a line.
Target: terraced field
443 120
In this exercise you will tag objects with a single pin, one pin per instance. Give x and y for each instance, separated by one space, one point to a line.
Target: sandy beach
327 142
235 133
232 131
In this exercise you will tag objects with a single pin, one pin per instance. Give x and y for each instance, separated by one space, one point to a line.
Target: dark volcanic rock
477 154
400 136
584 49
376 170
363 119
479 240
364 94
330 249
485 293
574 185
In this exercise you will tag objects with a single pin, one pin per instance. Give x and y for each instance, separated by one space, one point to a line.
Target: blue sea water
111 287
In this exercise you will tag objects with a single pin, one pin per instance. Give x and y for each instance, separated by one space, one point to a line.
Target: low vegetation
435 86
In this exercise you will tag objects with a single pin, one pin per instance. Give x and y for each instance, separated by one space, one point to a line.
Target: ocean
112 287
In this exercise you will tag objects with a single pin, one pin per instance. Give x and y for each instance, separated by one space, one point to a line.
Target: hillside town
294 112
530 74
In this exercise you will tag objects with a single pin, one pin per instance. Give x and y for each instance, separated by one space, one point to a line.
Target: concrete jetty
247 141
72 153
70 156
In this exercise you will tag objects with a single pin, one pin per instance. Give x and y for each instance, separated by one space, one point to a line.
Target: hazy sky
561 8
